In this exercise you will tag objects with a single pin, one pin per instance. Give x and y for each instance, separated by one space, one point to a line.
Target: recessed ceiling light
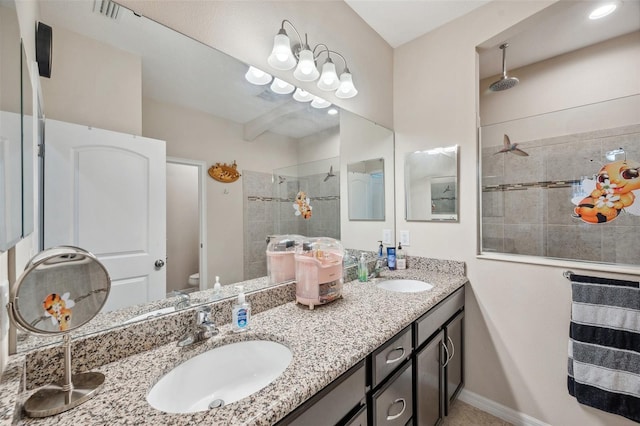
332 111
603 10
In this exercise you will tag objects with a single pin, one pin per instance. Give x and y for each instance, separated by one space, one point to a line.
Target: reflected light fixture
257 76
318 102
281 87
301 95
603 10
284 57
332 111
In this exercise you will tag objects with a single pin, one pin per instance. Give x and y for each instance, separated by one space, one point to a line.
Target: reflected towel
604 345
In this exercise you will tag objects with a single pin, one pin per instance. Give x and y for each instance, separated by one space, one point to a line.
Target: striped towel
604 345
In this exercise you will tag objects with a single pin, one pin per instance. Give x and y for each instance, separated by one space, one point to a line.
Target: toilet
194 280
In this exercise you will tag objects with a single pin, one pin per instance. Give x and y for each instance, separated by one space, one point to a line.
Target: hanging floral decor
301 205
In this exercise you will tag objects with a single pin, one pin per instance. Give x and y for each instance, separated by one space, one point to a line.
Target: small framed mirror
365 182
431 184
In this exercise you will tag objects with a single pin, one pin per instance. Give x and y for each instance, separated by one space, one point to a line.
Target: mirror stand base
54 399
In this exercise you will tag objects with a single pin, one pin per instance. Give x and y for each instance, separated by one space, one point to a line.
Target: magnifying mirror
61 289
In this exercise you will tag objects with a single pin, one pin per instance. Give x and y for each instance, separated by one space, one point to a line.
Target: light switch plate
386 236
404 238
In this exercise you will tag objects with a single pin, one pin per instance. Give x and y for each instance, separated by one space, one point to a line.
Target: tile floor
463 414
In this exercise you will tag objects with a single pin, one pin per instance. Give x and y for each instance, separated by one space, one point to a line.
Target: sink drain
216 403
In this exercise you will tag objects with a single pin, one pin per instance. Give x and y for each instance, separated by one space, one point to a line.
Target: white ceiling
178 69
400 21
558 29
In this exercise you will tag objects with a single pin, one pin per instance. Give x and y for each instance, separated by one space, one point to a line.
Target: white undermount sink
405 286
220 376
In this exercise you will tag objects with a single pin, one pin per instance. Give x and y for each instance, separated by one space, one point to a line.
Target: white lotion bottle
241 313
217 288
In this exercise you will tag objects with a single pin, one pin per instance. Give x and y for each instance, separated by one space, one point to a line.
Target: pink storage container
281 250
318 265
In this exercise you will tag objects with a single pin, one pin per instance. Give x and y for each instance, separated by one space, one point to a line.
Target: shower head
505 82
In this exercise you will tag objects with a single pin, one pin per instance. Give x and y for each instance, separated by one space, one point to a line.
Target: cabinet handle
395 416
391 361
453 347
447 351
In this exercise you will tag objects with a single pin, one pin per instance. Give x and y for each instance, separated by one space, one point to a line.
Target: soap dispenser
217 288
241 314
363 270
401 261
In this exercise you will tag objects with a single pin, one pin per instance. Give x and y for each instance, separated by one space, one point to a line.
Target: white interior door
105 192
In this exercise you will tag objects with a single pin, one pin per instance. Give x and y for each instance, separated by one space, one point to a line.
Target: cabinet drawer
359 419
393 404
390 355
437 316
333 403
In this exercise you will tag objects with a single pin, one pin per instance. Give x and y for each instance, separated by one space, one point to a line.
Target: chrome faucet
183 300
379 267
204 328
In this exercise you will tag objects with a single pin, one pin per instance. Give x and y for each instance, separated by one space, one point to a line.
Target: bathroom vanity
382 346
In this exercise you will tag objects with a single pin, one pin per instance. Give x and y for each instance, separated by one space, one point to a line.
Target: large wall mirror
560 150
127 82
16 152
365 181
431 184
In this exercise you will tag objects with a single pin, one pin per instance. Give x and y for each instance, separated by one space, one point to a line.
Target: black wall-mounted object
44 49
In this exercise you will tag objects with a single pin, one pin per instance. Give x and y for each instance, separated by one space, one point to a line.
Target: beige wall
183 225
194 135
245 30
362 140
81 89
517 315
610 69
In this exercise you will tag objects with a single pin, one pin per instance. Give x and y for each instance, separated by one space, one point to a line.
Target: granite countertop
325 342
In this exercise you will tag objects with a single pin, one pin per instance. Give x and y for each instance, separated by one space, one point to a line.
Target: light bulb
346 89
318 102
328 79
306 69
257 76
603 10
281 87
302 95
281 57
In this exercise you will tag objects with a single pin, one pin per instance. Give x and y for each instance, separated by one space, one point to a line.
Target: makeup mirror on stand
61 289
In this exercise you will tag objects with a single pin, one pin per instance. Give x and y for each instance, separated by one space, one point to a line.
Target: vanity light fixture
281 87
257 76
284 57
603 10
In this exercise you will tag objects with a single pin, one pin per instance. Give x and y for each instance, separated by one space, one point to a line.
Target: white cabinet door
106 192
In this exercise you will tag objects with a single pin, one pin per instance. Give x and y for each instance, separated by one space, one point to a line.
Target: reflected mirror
365 184
128 77
431 184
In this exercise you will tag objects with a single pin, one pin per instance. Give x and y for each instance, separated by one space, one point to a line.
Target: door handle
447 351
453 347
395 416
391 361
159 263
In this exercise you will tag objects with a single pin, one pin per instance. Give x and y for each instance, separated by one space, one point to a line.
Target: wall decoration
224 173
611 192
512 148
58 308
301 205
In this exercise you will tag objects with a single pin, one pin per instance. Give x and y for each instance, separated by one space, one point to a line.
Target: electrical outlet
386 236
404 238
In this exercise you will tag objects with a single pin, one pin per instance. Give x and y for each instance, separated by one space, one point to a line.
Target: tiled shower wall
268 209
526 201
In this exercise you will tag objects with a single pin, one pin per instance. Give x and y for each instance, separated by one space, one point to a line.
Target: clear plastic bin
318 266
280 258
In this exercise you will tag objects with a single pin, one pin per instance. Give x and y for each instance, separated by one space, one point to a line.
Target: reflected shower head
505 82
